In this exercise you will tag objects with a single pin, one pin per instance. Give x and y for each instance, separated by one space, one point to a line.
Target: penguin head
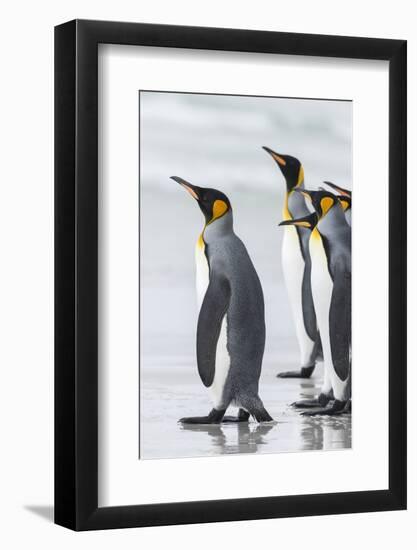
322 201
309 222
340 190
291 168
213 203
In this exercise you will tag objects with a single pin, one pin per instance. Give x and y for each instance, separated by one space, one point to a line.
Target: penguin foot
320 401
348 407
197 420
243 416
214 417
336 408
304 372
254 406
306 404
262 415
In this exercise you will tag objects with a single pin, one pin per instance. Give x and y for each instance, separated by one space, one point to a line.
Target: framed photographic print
230 275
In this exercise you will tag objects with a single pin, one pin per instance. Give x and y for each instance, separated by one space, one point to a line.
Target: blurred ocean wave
217 139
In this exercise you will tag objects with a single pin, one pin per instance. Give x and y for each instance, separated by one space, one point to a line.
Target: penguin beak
308 221
281 161
340 190
192 189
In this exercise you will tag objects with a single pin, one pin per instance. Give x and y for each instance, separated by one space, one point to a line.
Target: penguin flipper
212 312
340 324
309 314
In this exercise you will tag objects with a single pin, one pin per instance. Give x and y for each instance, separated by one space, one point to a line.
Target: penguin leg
336 408
320 401
309 357
215 416
243 416
309 363
304 372
256 408
326 394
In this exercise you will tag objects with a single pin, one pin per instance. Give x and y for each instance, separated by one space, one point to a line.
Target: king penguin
330 251
231 321
296 265
345 198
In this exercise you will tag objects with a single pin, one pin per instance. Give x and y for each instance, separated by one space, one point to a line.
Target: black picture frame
76 272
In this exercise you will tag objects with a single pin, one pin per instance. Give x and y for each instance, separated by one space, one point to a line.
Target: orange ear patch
344 203
219 208
326 203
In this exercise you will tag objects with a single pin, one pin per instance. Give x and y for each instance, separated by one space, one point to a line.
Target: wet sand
171 391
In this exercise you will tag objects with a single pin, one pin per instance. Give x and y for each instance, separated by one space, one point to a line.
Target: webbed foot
214 417
304 372
320 401
336 408
243 416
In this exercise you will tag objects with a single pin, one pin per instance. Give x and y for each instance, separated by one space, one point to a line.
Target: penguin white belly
222 368
202 272
222 355
322 289
293 267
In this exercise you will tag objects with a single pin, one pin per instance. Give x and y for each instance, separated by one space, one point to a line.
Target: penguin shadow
242 437
318 434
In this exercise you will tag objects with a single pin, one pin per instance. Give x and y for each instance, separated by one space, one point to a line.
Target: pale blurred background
216 141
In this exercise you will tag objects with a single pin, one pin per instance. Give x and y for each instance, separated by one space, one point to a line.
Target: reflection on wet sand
171 393
309 389
325 433
249 436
